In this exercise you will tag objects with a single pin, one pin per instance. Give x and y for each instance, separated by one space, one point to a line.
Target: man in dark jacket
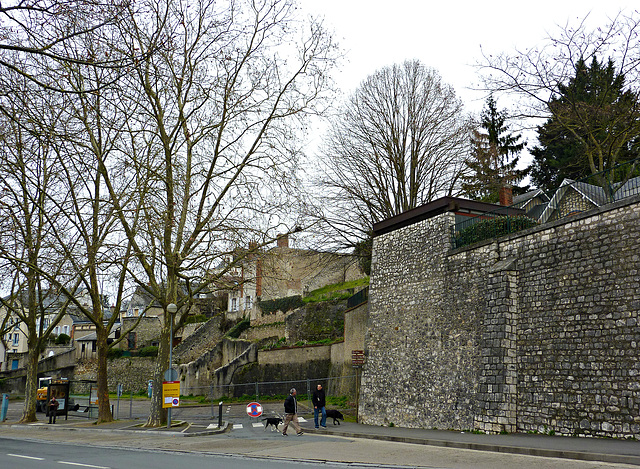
319 402
53 409
291 413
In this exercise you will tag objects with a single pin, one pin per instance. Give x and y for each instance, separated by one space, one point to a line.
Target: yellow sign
170 394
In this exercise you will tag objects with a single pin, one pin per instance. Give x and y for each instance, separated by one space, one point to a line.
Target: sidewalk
583 449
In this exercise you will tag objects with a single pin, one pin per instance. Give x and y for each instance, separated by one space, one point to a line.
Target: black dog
335 415
273 421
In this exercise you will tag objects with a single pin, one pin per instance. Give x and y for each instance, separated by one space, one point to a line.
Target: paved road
44 455
340 444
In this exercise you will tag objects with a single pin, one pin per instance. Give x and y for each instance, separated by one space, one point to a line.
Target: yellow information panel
170 394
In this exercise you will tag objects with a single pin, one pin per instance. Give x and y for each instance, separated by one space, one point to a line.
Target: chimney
506 195
283 241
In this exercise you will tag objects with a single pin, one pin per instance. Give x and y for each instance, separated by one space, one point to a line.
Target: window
136 312
234 304
16 339
65 330
247 303
131 340
56 330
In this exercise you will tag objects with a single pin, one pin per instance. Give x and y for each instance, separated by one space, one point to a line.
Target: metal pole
118 403
170 367
130 404
220 415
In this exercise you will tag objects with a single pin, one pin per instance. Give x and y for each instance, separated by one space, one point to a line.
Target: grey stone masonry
535 331
498 337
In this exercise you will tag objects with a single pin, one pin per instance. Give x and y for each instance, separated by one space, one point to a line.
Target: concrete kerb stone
526 451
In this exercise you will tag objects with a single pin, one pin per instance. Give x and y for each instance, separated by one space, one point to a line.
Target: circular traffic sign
175 402
254 409
171 374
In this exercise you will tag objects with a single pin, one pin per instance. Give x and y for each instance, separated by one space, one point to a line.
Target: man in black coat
319 402
53 409
291 413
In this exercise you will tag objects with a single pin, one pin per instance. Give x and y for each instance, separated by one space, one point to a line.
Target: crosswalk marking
212 425
302 419
255 425
237 426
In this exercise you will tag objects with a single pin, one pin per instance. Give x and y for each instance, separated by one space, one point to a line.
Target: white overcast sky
446 35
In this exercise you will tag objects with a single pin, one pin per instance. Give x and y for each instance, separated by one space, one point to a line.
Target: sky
446 35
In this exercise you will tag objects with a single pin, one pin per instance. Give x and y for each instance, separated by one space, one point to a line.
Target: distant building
284 271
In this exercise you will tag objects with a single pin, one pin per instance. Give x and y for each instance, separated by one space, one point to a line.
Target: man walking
291 413
319 402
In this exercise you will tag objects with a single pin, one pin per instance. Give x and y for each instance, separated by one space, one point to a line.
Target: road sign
170 394
254 409
357 357
171 375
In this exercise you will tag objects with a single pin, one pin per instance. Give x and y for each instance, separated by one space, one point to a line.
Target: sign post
170 397
357 360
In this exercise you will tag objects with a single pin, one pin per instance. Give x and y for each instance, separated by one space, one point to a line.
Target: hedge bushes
281 304
492 228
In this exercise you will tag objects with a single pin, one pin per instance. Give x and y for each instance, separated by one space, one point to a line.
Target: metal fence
344 386
569 199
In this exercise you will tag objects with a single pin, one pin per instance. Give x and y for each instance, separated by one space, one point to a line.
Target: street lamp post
171 309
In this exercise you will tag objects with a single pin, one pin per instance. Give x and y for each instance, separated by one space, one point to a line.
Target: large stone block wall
537 331
422 347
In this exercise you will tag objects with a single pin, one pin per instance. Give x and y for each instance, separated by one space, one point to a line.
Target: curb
542 452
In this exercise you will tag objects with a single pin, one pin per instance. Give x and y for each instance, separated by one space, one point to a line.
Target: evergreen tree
494 156
594 125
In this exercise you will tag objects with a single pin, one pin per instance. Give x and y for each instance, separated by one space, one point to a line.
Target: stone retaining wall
537 331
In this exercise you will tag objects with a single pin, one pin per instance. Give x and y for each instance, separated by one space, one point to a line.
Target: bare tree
399 142
40 32
548 82
30 255
215 139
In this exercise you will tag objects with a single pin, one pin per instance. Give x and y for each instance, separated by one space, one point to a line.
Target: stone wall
205 338
537 331
132 372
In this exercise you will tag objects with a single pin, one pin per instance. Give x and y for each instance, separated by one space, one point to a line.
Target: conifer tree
593 126
494 156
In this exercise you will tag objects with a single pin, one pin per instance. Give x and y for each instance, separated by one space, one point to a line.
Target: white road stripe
237 426
212 425
82 465
255 425
25 457
301 419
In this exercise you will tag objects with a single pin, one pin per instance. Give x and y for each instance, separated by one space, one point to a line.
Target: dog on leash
336 415
273 421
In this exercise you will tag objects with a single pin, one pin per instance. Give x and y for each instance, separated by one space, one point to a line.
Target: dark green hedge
281 304
150 351
236 330
492 228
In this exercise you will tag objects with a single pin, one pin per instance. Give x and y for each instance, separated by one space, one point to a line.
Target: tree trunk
158 415
104 407
31 387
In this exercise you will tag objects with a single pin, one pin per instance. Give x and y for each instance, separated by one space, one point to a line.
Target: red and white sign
254 409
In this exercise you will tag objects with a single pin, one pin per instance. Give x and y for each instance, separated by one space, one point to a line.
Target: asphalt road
246 445
27 455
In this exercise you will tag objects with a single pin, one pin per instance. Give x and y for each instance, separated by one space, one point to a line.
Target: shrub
281 304
115 353
150 351
492 228
62 339
236 330
197 318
